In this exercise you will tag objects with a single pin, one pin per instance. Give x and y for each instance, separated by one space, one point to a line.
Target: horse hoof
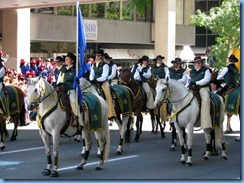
183 162
172 149
98 168
188 164
224 158
162 135
3 147
46 171
13 139
79 168
135 140
54 173
118 153
205 158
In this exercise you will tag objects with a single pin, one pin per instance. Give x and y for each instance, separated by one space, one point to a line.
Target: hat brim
232 60
202 59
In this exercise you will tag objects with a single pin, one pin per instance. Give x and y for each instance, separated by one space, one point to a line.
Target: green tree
224 21
140 6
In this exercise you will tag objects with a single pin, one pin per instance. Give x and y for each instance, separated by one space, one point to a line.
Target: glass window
211 39
202 5
200 41
200 30
212 3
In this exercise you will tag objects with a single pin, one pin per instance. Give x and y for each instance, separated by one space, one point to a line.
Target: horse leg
189 145
122 130
46 141
79 133
220 138
15 119
4 134
174 137
83 147
208 145
128 129
154 129
88 142
56 141
228 126
139 119
183 150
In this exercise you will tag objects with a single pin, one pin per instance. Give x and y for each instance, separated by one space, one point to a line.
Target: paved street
150 159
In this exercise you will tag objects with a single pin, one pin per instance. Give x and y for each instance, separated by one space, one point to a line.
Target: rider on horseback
200 77
229 74
142 73
112 74
66 78
99 74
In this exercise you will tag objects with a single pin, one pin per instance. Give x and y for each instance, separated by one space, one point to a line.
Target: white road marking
22 150
88 164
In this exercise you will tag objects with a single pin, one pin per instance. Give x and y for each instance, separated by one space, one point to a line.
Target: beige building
166 30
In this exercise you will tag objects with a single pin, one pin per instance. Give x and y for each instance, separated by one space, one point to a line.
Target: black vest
231 77
110 64
144 70
68 78
158 71
198 75
176 74
98 70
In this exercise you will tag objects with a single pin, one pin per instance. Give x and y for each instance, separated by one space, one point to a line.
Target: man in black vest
60 68
99 73
201 76
229 74
176 71
142 74
112 74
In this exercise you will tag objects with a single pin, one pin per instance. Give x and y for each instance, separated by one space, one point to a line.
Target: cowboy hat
71 55
233 58
177 61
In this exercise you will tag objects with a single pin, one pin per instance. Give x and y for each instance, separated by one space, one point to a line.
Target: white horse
185 114
86 86
51 119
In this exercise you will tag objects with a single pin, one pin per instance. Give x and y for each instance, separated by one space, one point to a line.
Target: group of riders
104 71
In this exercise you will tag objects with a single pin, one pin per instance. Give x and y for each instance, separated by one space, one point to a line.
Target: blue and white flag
81 44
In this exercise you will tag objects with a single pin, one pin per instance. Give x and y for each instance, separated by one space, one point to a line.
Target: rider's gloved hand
93 81
192 83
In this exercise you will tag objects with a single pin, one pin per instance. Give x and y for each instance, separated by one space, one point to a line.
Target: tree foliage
224 21
140 6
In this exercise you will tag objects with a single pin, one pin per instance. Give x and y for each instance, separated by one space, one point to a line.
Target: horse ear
39 77
167 79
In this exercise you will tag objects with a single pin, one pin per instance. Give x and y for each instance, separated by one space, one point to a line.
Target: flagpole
77 55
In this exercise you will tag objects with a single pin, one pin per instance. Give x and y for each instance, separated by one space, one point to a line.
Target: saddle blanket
12 99
232 102
4 107
123 96
215 109
93 106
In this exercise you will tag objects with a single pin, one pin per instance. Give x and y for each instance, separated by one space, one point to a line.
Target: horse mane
50 89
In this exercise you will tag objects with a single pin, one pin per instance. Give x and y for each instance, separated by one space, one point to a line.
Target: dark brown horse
127 79
15 104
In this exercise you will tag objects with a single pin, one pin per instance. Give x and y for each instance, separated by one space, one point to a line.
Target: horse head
162 92
126 77
38 89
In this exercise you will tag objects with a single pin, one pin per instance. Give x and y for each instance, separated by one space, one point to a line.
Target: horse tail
22 114
219 131
106 133
107 138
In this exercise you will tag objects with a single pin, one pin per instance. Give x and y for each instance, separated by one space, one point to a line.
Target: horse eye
35 90
163 89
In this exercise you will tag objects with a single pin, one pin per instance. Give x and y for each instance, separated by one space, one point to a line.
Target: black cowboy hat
59 59
143 58
106 55
99 52
177 61
233 58
71 55
198 58
215 81
160 57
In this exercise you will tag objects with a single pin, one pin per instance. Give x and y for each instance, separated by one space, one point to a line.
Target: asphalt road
149 159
